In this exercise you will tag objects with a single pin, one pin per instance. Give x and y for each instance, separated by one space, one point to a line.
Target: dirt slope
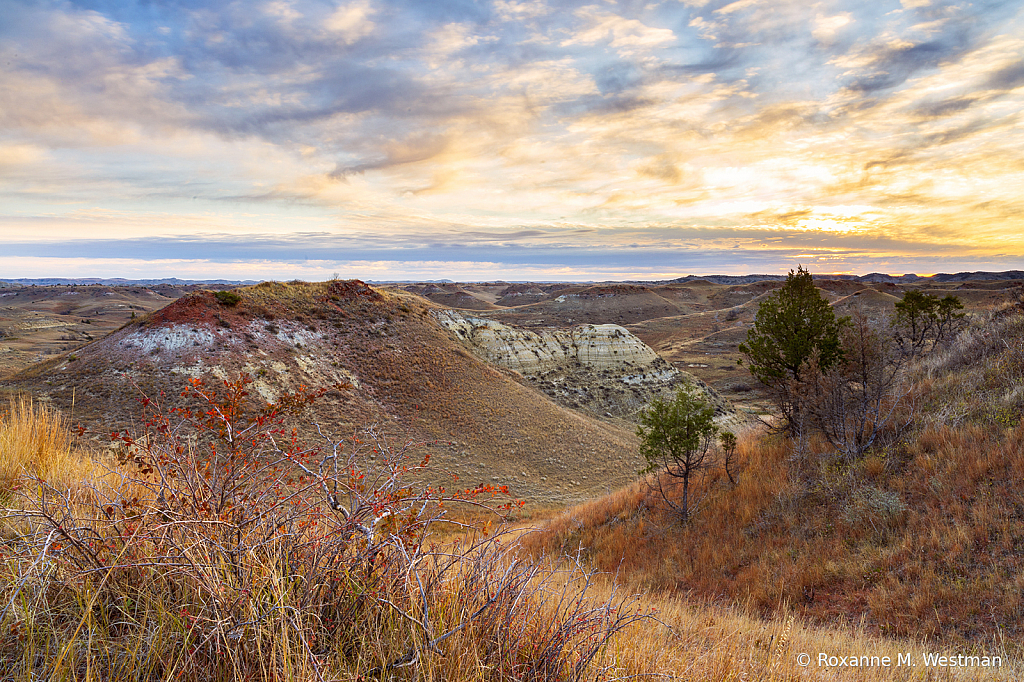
451 295
40 321
406 373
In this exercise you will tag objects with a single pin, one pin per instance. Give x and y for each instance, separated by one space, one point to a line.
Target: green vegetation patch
228 298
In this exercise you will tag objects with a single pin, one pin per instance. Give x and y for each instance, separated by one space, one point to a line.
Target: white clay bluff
600 368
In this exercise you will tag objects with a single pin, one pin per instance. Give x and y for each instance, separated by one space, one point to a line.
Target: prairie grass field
202 614
212 539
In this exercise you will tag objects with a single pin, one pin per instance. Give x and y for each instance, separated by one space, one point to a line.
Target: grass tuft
35 439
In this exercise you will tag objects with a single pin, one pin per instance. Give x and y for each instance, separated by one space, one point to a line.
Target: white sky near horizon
515 140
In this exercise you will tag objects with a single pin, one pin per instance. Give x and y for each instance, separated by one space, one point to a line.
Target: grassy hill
103 580
300 558
922 538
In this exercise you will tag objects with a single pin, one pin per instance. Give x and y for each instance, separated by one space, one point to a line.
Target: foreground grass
270 562
705 642
147 618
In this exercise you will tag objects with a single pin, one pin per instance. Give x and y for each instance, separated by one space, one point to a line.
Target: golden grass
75 635
919 541
705 642
34 439
36 442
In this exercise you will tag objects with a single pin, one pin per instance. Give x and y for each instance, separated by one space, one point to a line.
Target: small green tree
791 326
676 437
728 442
228 298
923 321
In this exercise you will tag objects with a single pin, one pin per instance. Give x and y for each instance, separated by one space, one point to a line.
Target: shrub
728 442
864 399
229 548
228 298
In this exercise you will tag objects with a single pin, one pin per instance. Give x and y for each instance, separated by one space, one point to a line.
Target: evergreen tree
675 437
924 320
791 326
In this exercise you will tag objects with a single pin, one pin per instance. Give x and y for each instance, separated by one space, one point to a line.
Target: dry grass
923 542
237 567
34 439
920 539
37 446
154 627
980 377
705 642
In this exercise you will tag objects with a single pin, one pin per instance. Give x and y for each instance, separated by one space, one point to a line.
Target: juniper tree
676 437
792 325
924 320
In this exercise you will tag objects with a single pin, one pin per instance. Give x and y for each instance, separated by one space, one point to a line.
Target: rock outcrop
600 368
594 346
521 294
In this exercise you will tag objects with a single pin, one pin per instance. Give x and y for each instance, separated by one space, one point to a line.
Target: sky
509 139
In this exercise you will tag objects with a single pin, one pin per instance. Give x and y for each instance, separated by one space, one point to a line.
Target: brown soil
451 296
602 304
405 373
37 322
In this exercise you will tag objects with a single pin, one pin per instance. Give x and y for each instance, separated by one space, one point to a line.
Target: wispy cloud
501 129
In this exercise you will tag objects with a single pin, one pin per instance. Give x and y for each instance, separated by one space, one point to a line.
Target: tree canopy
791 326
924 320
675 437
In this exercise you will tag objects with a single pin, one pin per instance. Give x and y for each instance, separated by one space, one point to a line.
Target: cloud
1007 78
408 121
894 64
400 152
351 21
629 36
826 27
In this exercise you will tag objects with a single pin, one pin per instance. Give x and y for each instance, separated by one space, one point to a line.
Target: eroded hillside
600 368
389 361
39 321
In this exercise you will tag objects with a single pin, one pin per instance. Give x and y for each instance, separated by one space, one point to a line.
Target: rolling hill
388 360
601 304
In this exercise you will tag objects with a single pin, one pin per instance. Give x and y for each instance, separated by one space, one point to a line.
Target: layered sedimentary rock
595 346
601 368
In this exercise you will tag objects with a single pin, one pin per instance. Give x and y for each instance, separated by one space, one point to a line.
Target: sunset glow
532 139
